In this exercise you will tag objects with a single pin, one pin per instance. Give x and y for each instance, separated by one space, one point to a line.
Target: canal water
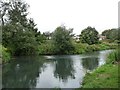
54 71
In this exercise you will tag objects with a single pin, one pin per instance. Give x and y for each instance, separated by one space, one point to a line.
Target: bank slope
105 76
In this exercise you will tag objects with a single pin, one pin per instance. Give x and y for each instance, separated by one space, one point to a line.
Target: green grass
105 76
113 57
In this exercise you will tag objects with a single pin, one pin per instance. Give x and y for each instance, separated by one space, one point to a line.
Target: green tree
62 40
111 34
19 33
89 35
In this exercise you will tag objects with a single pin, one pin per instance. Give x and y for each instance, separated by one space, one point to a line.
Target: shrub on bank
91 48
110 45
83 47
6 56
45 48
79 48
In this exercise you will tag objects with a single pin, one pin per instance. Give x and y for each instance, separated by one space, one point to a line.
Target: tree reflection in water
50 71
90 63
64 69
22 75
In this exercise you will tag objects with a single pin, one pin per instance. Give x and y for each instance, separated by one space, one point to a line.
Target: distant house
76 38
48 35
101 37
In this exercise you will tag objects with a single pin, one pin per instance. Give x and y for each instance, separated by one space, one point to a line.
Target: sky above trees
77 14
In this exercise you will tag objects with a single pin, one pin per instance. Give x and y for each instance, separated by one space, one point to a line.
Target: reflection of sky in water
47 78
103 56
64 71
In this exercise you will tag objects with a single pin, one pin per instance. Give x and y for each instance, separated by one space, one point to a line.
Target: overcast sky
77 14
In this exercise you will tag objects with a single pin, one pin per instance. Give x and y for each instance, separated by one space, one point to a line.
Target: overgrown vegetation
105 76
46 48
6 56
111 34
19 33
21 37
83 48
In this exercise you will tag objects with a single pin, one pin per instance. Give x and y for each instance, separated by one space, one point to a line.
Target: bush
5 54
103 46
83 47
80 48
46 48
93 47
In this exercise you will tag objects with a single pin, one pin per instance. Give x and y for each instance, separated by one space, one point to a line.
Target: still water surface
56 71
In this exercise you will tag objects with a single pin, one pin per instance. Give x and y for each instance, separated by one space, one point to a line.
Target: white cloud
77 14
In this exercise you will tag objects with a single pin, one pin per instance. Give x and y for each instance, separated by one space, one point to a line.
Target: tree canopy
20 34
62 40
111 34
89 35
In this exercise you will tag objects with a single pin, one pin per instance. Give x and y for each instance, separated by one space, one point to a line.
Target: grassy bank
105 76
79 48
5 55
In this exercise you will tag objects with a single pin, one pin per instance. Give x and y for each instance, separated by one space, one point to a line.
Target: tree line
21 37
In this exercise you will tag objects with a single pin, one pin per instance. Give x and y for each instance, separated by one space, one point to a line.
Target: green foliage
5 54
111 34
20 35
83 47
103 46
105 76
89 36
62 40
46 48
26 44
113 57
80 48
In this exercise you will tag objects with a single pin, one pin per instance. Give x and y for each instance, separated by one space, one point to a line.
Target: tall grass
113 57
